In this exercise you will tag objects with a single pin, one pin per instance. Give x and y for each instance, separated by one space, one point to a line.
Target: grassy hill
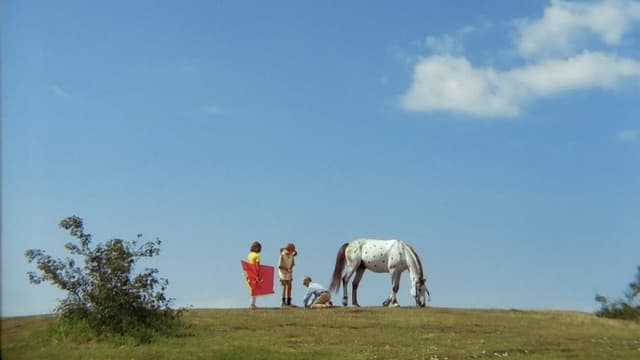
351 333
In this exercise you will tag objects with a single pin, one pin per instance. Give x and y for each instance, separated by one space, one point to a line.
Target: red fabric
258 288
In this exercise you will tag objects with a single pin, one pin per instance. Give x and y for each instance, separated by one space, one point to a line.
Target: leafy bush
104 296
627 308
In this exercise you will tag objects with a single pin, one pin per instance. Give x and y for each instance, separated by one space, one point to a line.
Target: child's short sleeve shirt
253 257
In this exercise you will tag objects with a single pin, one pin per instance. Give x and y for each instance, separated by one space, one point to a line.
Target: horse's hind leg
354 286
345 282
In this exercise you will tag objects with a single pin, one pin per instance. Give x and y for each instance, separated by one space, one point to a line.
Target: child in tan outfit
285 271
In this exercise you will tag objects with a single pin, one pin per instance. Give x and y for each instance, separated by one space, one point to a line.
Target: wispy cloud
58 91
448 81
211 109
453 43
567 26
628 135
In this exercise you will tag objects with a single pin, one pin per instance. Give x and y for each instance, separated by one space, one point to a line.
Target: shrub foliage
104 294
625 308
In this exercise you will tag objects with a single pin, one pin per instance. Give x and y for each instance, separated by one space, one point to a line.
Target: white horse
392 256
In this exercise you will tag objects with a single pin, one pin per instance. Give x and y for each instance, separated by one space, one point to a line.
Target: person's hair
291 248
256 247
306 280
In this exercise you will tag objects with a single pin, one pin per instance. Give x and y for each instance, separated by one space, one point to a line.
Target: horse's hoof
356 305
394 305
386 302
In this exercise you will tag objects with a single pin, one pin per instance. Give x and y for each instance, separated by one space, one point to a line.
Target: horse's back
376 255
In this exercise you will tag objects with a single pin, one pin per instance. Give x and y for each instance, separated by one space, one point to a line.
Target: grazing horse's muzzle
421 292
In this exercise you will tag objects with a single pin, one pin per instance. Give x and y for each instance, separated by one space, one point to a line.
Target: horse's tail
337 271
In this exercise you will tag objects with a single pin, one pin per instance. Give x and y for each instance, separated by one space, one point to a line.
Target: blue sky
500 138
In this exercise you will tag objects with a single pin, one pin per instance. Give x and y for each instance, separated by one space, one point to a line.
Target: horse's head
420 292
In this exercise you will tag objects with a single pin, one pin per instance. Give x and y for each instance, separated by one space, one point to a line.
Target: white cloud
451 83
566 26
58 91
583 71
447 83
628 135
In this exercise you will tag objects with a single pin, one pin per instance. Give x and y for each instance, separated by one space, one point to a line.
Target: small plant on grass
104 296
627 308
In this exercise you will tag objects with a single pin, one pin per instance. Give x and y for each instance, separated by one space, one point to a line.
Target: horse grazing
392 256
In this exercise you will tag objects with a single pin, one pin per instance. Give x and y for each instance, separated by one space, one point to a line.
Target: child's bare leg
283 283
289 287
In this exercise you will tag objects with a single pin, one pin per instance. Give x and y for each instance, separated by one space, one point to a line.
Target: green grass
350 333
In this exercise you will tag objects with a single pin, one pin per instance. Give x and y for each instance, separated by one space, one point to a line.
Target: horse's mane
416 258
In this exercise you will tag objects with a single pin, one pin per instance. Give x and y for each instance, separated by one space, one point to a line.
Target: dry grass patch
354 333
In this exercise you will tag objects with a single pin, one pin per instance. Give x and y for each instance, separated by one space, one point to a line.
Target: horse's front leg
395 286
355 284
345 296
